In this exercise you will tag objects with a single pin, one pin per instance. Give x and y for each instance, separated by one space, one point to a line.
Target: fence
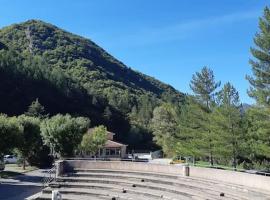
50 176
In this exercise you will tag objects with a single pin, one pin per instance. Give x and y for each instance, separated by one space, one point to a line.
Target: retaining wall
122 165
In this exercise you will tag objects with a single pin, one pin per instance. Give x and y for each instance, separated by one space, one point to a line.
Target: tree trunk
234 159
23 163
211 159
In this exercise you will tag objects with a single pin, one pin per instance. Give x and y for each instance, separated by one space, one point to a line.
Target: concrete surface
21 186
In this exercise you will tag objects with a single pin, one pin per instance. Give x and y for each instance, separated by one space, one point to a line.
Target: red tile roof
112 144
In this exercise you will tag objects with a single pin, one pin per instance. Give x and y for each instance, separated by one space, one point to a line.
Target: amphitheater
96 180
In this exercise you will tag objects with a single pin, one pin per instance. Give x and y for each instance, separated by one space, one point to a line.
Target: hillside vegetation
71 74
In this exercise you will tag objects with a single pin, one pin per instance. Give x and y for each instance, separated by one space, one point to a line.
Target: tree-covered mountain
71 74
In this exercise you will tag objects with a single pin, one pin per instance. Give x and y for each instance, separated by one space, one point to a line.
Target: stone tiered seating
95 184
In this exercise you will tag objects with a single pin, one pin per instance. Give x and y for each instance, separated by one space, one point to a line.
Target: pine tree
260 81
258 138
204 87
35 109
227 123
193 130
258 118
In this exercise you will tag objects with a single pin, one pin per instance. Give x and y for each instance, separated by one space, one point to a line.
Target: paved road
22 186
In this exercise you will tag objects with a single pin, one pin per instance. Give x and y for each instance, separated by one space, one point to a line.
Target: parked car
2 164
10 159
177 160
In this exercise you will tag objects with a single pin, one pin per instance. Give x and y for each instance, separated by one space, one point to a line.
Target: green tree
227 122
204 87
261 63
10 133
164 126
30 136
258 137
258 117
145 110
193 130
64 133
95 139
35 109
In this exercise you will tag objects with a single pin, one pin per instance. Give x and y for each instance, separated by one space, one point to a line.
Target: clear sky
167 39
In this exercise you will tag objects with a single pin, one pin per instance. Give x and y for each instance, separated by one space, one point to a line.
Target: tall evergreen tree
204 85
258 137
258 118
192 137
260 81
227 123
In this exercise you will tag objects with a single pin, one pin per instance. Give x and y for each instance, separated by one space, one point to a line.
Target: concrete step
212 189
138 191
70 197
152 174
158 175
184 191
105 194
181 181
178 181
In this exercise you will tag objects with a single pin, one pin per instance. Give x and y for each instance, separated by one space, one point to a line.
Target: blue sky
169 40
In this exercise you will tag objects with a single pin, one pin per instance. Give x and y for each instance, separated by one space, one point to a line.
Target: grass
19 169
218 166
12 170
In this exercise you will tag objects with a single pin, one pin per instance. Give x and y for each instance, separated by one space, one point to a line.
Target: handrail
109 159
256 172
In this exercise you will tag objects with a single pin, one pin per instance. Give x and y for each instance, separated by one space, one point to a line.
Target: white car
10 159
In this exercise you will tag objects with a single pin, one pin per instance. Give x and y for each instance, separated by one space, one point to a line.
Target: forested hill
69 73
71 52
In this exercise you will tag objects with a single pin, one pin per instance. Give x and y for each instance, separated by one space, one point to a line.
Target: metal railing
49 176
256 172
109 159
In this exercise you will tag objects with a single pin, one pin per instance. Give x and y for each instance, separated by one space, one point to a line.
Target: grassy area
19 169
12 170
206 164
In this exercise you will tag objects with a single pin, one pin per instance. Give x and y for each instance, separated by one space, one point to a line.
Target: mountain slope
67 50
69 73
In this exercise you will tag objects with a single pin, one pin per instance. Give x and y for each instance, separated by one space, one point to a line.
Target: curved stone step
174 180
69 197
214 190
154 186
108 194
146 192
